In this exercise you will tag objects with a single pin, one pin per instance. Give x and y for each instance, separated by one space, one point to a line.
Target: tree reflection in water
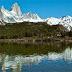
15 62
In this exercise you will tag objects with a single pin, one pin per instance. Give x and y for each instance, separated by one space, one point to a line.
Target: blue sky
44 8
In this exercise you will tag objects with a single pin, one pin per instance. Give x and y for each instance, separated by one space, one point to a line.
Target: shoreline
36 40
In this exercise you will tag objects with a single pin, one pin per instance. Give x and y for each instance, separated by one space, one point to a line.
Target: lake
50 57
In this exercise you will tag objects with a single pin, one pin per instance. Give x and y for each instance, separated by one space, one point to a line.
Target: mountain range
15 15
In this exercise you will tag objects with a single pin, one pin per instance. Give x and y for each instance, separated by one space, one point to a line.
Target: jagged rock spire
16 9
0 14
1 18
30 15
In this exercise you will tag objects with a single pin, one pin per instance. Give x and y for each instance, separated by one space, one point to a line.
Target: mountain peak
30 15
0 15
16 4
66 17
16 9
2 8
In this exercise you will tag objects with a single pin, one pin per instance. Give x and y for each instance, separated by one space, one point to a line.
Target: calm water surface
36 58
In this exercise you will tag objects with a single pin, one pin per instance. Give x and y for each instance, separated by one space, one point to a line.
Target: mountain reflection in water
50 57
15 63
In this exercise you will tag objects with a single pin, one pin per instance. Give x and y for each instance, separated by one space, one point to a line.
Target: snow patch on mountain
7 16
53 21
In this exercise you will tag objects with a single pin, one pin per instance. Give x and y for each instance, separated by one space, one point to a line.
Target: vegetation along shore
29 32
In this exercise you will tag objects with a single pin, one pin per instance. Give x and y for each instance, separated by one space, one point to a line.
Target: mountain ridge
15 15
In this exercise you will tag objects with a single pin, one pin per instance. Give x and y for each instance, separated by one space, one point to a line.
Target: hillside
29 29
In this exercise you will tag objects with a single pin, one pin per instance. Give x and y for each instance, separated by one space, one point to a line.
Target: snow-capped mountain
66 21
12 16
7 16
32 17
29 15
0 16
16 10
15 15
1 19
